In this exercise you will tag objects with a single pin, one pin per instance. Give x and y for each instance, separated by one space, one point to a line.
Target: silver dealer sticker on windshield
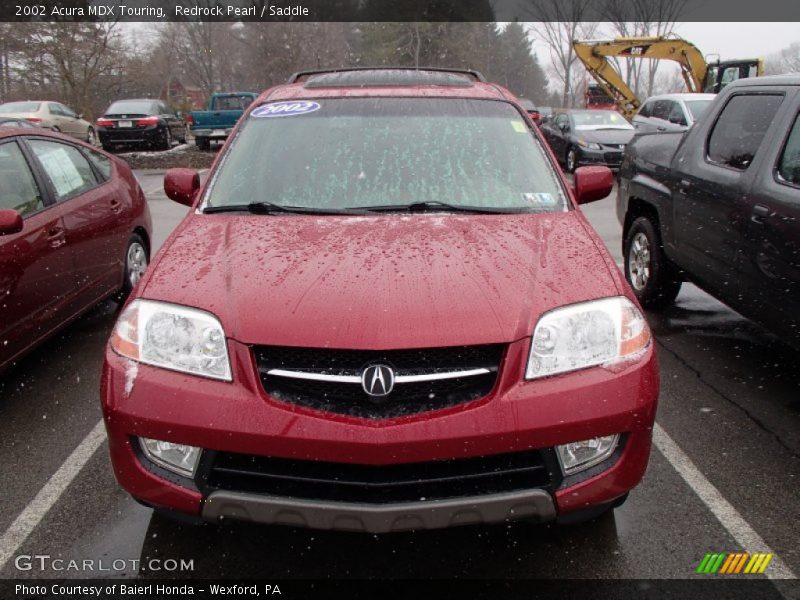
539 199
286 109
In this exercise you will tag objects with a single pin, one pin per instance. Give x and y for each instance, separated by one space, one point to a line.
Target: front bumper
609 157
378 518
517 416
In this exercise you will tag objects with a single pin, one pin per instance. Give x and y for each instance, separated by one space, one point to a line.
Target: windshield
599 119
125 107
19 107
697 107
349 153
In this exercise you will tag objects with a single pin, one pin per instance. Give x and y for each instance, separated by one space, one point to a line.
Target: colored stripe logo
734 563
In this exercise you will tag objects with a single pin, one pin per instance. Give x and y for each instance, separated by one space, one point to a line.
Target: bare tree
784 61
642 18
72 58
561 23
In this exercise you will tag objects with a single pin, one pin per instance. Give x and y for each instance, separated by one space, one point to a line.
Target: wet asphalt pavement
730 401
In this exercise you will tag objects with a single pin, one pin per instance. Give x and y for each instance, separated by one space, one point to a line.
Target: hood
606 136
379 282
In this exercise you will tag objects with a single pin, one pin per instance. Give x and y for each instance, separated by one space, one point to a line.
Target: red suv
383 313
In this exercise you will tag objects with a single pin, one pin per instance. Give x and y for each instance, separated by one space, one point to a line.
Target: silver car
671 112
51 115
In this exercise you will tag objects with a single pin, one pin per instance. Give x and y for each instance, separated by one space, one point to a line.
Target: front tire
91 138
571 161
654 280
136 259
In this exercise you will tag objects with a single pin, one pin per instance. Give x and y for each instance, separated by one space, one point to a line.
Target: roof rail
301 75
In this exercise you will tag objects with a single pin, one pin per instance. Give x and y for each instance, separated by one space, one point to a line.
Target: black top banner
711 11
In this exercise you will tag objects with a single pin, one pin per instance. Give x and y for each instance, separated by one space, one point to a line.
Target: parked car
51 115
531 109
719 205
143 123
16 122
74 230
218 120
399 320
671 112
588 137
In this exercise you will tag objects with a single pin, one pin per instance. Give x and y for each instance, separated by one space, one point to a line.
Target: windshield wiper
435 206
267 208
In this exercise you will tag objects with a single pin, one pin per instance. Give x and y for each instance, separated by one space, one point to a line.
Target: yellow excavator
699 75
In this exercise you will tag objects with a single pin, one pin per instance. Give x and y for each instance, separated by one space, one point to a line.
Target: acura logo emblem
377 380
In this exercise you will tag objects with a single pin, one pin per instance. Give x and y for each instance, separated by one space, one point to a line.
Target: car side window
789 164
102 163
66 111
18 189
661 110
646 109
740 128
676 114
66 168
561 120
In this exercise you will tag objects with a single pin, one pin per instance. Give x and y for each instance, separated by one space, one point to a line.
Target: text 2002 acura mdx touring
383 313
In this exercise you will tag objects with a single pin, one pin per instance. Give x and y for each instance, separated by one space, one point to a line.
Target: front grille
406 398
411 482
612 158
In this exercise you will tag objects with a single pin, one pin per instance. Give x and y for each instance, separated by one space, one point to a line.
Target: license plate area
124 123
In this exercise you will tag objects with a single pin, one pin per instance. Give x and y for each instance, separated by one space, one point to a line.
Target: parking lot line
28 519
725 513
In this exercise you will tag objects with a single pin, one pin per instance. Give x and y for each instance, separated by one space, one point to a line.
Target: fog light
579 456
178 458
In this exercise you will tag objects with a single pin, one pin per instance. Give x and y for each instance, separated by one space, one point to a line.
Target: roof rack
303 75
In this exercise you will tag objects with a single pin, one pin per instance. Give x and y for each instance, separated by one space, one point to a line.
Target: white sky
729 40
740 40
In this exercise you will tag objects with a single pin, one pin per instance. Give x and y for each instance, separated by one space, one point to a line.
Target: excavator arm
595 57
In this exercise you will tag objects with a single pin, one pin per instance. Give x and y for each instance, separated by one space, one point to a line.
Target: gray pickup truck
218 120
719 205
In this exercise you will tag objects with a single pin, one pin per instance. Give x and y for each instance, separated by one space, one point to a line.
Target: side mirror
181 185
10 221
592 183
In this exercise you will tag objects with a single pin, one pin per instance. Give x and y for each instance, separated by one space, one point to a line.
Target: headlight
587 334
173 337
589 145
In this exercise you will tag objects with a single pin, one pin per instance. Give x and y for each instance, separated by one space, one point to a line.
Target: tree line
88 65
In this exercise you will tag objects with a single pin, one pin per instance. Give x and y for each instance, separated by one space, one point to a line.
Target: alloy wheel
639 261
136 262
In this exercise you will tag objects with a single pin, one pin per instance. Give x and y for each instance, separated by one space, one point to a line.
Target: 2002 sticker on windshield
290 108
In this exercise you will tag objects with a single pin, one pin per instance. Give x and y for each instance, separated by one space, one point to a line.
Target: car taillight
189 119
147 121
104 122
33 119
